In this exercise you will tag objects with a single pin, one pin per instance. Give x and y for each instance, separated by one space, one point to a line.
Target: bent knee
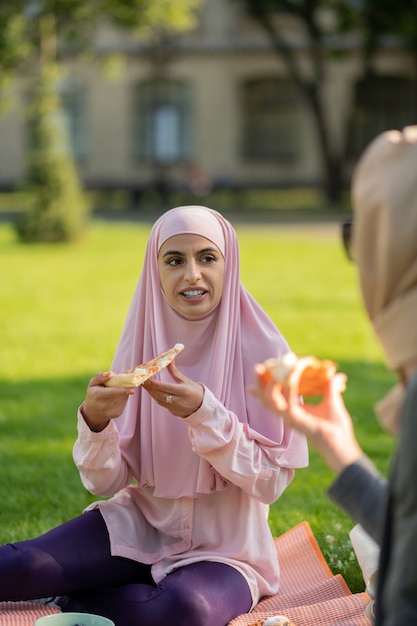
185 606
23 569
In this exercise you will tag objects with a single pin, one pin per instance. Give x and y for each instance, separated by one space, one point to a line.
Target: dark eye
208 258
173 261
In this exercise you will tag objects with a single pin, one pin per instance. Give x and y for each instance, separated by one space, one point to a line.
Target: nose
192 272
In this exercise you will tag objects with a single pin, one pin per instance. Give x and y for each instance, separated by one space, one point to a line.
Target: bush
56 207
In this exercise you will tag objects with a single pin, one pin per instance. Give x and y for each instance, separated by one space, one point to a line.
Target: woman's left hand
181 397
327 425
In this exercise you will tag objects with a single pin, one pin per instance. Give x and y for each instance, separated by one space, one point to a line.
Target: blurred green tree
34 34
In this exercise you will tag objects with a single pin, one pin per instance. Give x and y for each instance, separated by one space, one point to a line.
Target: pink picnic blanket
310 595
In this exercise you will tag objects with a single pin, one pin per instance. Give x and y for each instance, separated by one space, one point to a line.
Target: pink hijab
220 352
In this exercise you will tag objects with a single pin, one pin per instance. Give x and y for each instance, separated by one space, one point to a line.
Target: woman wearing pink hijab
190 460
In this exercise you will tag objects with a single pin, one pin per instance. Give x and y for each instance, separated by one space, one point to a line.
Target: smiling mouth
193 293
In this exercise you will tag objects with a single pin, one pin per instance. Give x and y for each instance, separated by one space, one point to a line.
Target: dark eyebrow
168 252
208 249
178 253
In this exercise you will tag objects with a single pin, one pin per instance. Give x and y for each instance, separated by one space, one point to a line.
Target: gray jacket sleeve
398 584
360 490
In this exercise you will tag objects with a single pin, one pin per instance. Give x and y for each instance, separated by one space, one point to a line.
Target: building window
162 121
73 118
380 103
271 120
68 121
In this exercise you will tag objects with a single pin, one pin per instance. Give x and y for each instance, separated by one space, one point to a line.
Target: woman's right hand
103 404
327 425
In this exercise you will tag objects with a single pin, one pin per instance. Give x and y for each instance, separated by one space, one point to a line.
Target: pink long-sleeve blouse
229 525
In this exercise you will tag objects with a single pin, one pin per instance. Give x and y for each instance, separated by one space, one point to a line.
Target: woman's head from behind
384 195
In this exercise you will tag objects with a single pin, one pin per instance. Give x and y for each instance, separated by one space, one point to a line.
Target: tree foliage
34 35
370 21
77 20
56 207
378 19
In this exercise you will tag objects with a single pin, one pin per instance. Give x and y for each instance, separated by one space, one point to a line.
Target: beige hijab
384 196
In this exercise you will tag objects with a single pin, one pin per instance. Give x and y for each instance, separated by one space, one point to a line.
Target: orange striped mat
309 593
23 613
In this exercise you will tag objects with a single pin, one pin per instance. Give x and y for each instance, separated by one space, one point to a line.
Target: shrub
56 207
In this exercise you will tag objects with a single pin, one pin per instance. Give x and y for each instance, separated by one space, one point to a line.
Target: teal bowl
73 619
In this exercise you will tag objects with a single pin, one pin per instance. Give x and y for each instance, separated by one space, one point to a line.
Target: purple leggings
74 561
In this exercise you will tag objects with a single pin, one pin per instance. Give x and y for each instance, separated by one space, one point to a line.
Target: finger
155 387
255 388
259 370
167 400
159 392
262 383
269 393
262 375
293 394
176 374
338 383
100 378
99 394
280 401
336 387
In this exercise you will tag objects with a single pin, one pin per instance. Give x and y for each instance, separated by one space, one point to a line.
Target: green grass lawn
61 313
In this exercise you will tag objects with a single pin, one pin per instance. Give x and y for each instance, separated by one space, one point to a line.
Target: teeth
194 293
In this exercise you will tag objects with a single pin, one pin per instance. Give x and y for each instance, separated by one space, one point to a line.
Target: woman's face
191 270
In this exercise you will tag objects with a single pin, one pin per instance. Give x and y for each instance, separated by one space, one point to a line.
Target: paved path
308 221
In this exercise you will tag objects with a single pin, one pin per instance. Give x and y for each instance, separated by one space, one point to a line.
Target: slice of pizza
137 375
310 374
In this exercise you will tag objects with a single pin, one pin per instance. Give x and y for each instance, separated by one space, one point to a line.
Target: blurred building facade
213 107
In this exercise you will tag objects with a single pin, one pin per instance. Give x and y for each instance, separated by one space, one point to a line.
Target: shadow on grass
39 483
40 486
40 411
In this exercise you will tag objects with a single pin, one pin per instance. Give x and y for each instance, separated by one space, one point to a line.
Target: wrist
339 459
93 426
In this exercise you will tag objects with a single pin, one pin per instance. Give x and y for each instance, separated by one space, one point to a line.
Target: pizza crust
139 374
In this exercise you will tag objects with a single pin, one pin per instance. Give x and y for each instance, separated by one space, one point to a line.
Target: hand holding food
107 392
280 383
309 373
139 374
